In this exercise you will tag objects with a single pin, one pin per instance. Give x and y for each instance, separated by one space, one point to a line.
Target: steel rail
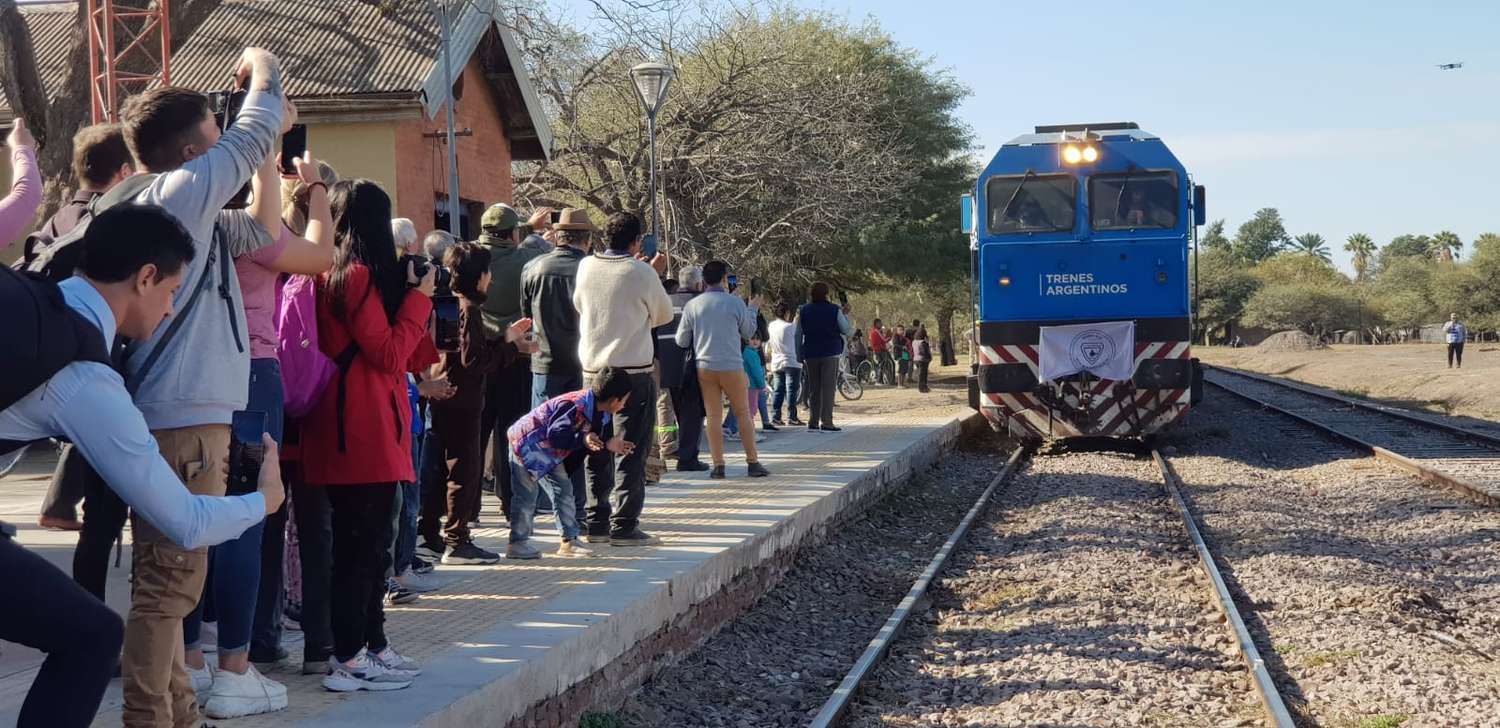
1260 678
1477 437
833 709
1426 472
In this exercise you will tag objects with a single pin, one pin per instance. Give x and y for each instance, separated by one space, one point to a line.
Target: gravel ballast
1076 601
1375 599
778 662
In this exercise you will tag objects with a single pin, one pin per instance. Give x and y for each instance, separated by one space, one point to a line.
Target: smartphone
245 451
843 299
556 215
648 246
732 282
293 146
757 287
445 322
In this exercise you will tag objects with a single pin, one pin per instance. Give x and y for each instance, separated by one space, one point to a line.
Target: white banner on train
1105 350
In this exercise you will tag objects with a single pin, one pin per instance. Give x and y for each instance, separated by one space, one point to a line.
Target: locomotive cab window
1038 203
1133 200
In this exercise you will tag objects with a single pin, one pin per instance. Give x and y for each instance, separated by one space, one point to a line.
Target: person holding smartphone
458 417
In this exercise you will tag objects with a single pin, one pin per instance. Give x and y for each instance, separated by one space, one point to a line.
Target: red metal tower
122 34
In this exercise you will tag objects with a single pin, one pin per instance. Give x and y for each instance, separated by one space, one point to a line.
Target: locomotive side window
1133 200
1031 204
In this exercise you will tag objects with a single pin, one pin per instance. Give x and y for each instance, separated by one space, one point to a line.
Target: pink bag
305 369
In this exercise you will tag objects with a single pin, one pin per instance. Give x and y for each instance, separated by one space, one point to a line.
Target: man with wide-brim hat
547 286
507 389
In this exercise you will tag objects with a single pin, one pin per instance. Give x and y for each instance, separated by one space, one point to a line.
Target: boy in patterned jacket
549 443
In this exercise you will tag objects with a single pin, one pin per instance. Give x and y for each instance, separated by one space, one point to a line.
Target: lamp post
445 37
651 83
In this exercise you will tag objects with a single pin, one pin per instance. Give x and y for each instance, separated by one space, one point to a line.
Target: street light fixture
651 83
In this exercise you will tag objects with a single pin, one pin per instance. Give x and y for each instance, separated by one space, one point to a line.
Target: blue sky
1332 111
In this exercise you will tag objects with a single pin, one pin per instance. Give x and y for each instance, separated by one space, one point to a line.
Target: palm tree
1446 246
1363 249
1312 244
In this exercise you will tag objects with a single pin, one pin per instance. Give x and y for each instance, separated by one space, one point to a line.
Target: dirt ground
1409 375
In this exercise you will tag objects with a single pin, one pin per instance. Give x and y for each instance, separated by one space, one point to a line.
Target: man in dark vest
821 330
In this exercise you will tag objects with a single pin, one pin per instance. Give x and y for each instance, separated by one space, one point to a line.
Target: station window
1039 203
1133 200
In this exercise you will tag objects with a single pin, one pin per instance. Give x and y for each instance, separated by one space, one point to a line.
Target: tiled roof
344 49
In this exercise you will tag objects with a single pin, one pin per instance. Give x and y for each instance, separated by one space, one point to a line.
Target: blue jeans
233 585
788 384
524 489
543 388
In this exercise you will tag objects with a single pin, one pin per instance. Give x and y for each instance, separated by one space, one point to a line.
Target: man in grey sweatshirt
714 325
193 372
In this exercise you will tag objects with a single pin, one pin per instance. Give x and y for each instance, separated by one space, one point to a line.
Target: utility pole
445 37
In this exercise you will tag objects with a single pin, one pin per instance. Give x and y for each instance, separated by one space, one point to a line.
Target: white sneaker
235 695
362 673
574 549
203 679
208 637
419 583
395 662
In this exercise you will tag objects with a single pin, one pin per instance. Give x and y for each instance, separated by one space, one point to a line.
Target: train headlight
1080 154
1072 154
1090 154
1004 281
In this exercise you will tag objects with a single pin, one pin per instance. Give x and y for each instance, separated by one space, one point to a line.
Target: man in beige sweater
620 298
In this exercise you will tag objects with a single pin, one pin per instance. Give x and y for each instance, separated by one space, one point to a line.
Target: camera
225 106
444 303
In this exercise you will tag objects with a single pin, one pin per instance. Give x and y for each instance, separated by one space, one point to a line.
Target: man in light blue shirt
134 261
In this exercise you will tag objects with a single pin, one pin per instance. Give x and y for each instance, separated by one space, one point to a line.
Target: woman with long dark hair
921 357
372 321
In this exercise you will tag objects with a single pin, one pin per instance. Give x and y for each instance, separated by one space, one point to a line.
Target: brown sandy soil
1409 375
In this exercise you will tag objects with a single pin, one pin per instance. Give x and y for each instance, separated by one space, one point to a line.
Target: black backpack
56 259
42 336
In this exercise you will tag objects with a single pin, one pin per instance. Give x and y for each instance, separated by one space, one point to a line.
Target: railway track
1461 458
1262 685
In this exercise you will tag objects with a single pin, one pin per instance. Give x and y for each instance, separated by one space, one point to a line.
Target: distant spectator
1455 333
786 369
921 357
713 325
880 349
900 347
821 328
405 234
679 374
620 298
859 350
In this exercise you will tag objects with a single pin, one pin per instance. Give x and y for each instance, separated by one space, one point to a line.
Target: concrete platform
500 644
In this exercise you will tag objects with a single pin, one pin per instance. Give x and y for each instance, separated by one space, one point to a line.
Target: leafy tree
1405 246
1362 248
1295 267
1486 241
1214 236
1403 291
1223 284
1308 307
1260 237
1446 246
1312 245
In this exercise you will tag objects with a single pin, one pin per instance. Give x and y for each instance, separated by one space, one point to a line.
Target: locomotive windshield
1031 203
1133 200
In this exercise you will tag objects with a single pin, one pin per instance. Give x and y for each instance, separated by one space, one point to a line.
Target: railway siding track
1461 458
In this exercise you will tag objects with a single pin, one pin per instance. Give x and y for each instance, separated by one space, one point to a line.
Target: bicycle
865 372
849 385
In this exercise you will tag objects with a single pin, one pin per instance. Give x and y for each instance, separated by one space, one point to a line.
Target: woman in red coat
356 443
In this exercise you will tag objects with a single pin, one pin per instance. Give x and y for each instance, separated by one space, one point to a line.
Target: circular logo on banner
1091 348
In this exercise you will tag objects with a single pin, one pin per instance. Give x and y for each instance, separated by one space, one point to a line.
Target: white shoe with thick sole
362 673
235 695
203 680
419 583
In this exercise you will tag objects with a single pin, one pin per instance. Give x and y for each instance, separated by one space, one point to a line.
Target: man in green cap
508 389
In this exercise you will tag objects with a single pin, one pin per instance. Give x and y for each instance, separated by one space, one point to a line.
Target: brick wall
483 158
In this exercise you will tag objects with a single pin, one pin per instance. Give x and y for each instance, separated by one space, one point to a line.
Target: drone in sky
1450 66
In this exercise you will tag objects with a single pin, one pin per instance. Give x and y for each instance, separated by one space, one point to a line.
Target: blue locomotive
1079 244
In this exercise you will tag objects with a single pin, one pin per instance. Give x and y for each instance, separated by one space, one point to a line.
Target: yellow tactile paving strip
694 514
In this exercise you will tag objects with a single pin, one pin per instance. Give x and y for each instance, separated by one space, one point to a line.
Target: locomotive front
1080 236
